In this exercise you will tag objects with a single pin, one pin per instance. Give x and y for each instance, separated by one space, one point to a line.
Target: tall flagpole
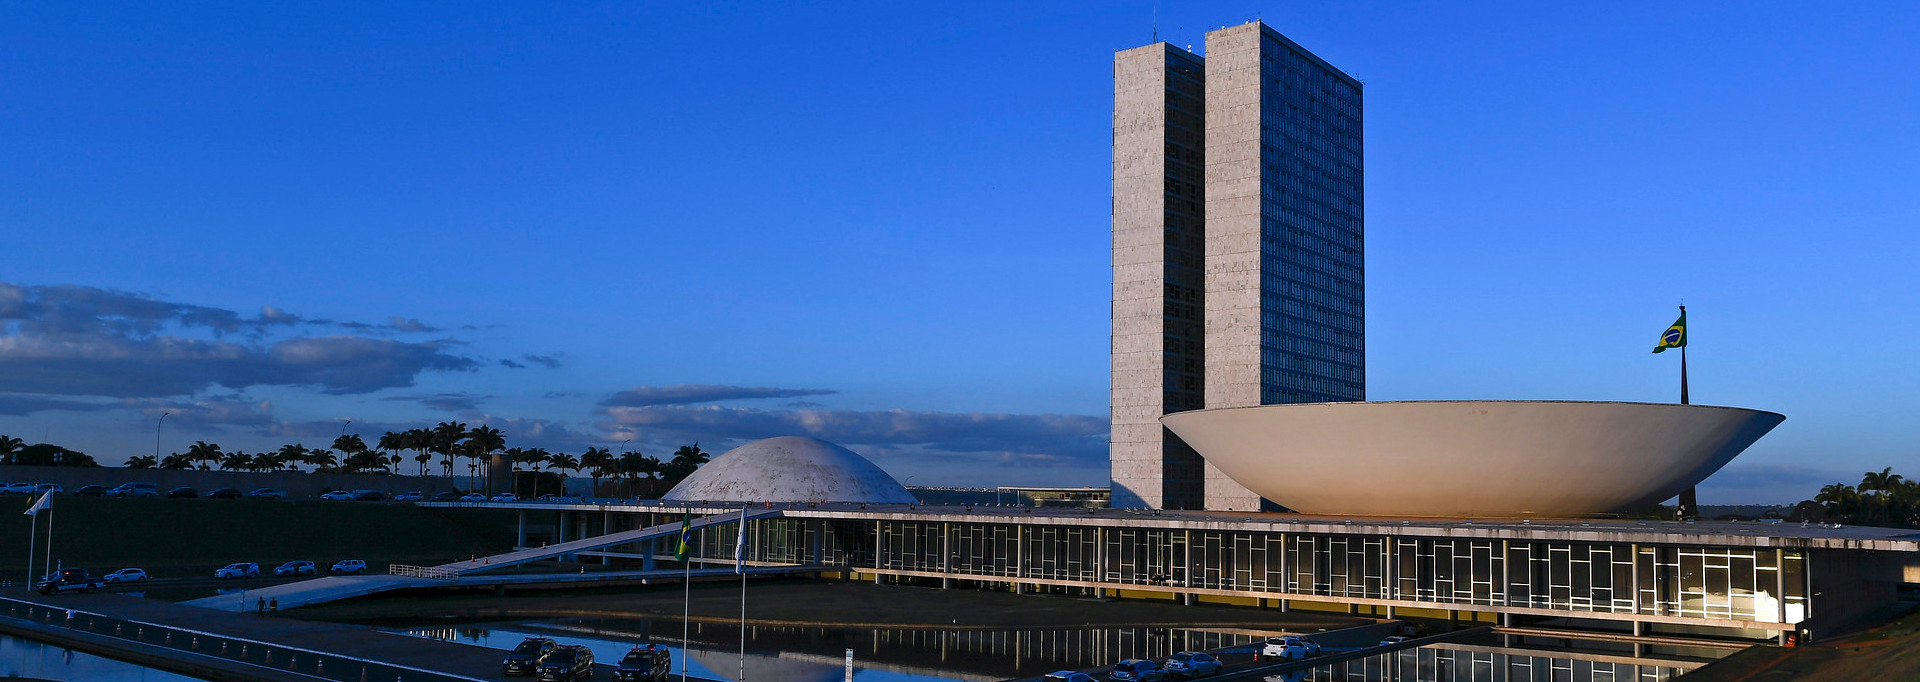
1683 362
740 566
33 538
686 605
1689 501
47 561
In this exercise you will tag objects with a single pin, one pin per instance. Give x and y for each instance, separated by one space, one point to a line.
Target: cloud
512 364
20 405
214 411
686 394
72 340
451 402
547 361
1025 439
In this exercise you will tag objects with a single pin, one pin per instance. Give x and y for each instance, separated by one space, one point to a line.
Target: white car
18 489
338 495
48 487
267 494
1289 648
1390 641
409 496
140 489
506 497
126 575
294 568
473 497
348 567
238 570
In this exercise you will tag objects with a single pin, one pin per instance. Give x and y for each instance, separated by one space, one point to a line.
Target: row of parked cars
552 661
291 569
1195 664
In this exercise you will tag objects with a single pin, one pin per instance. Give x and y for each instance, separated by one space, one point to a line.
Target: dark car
369 495
1192 664
225 494
645 664
446 496
90 491
566 664
68 580
1136 670
183 491
525 659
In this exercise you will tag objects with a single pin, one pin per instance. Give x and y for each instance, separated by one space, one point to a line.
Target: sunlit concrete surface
790 469
1470 458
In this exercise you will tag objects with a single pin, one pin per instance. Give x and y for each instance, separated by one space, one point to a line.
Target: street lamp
343 427
156 437
623 445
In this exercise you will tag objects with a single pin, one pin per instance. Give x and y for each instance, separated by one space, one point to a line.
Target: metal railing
430 572
323 665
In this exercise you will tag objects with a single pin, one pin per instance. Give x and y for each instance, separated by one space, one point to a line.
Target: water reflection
1467 663
27 658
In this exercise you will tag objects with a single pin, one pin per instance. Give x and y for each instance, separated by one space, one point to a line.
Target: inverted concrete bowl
1470 458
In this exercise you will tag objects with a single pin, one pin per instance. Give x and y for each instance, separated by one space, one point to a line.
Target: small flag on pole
1675 336
740 544
686 538
45 503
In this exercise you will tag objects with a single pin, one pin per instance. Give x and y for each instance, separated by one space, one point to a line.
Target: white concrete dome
790 469
1470 458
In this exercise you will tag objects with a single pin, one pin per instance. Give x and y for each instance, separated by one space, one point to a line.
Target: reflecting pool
27 658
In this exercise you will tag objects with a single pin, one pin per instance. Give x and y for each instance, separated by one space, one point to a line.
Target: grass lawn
190 538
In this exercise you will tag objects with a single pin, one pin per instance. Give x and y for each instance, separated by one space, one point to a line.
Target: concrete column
647 548
1019 558
879 550
1779 586
560 531
814 554
1186 571
1638 630
520 538
1392 588
606 528
946 562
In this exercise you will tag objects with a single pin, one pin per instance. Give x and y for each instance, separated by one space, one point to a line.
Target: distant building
1238 240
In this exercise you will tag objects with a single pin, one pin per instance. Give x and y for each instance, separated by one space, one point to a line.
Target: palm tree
446 441
9 448
236 461
142 462
176 461
598 461
391 442
350 444
685 460
1840 499
421 440
483 440
205 453
565 463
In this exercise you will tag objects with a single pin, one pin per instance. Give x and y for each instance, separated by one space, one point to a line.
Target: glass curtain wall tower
1237 249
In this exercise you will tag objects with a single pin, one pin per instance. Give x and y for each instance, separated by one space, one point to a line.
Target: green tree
420 440
599 464
564 462
483 441
142 462
350 444
205 454
177 461
9 448
446 441
236 461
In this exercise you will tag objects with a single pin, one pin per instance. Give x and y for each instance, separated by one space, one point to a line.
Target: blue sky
887 224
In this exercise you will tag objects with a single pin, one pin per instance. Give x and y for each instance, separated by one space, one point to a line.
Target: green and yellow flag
1675 336
686 538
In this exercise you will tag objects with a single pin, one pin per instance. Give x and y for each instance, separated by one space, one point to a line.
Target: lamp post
156 437
343 427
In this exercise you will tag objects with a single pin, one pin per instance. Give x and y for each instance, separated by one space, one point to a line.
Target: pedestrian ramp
481 571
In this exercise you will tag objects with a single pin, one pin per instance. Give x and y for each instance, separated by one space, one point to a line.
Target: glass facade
1312 289
1184 326
1691 582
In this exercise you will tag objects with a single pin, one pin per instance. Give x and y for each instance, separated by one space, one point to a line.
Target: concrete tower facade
1264 302
1159 200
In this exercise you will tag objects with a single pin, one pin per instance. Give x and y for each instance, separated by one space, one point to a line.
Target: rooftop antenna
1156 25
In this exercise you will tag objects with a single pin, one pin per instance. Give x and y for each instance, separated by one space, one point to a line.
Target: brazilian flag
686 538
1675 336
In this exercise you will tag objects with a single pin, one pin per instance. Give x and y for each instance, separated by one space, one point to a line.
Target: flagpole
47 561
1689 498
1683 363
33 539
686 605
740 566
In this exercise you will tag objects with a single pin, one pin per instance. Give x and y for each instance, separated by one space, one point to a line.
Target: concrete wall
1234 203
297 484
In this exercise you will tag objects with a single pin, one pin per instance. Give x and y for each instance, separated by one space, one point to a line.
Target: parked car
369 495
337 495
566 664
267 494
409 496
1390 641
473 497
446 496
68 580
225 494
505 497
1066 676
524 659
18 489
1192 664
652 664
185 491
238 570
1289 648
347 567
48 488
90 491
136 489
125 575
294 568
1136 670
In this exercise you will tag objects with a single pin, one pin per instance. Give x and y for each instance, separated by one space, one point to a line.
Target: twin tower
1237 249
